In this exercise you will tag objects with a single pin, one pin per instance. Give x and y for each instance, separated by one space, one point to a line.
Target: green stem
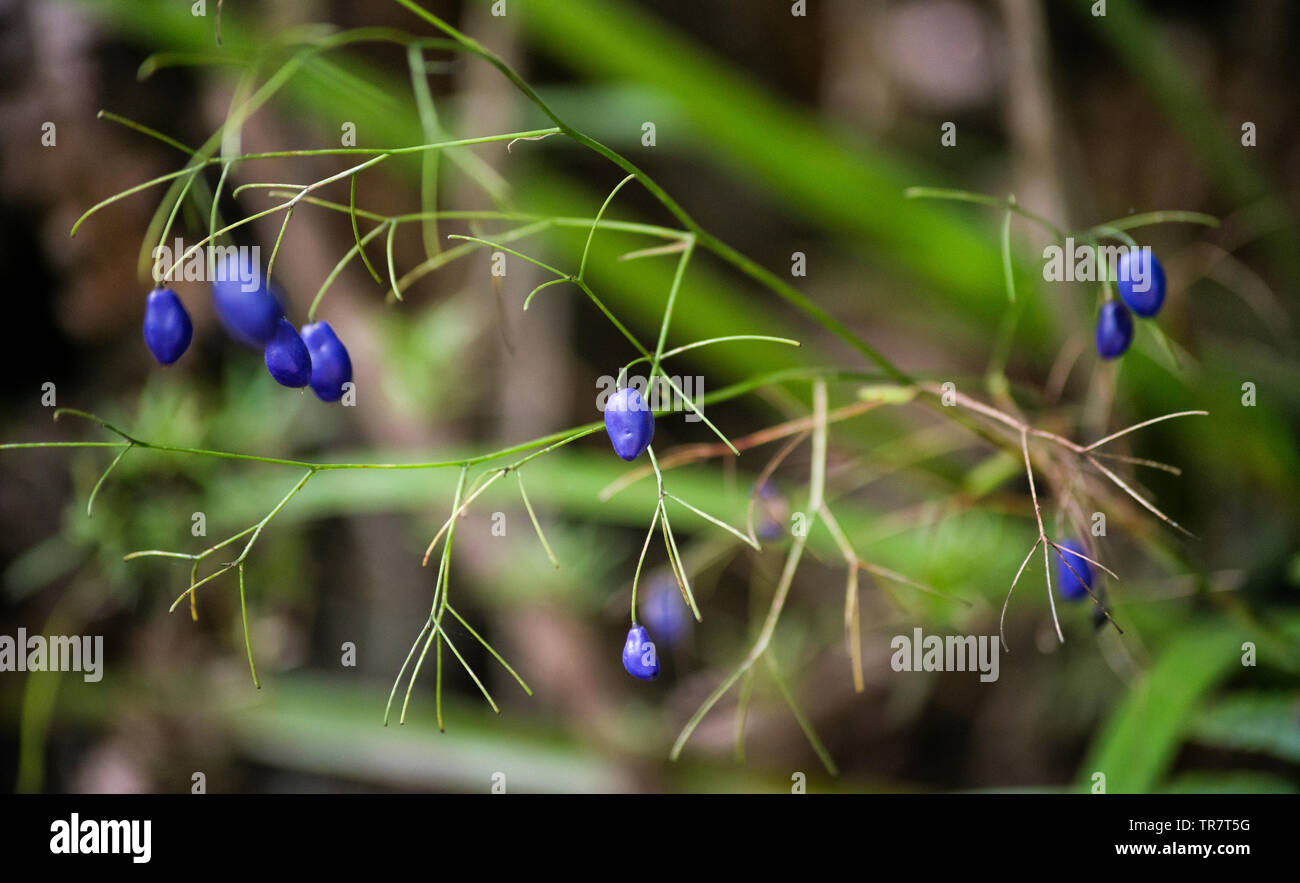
1160 217
586 249
248 643
983 199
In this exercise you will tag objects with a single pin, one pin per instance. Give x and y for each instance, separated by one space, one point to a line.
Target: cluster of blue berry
254 317
1114 324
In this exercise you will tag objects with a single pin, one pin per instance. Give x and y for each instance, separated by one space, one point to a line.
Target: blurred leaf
1267 723
1137 744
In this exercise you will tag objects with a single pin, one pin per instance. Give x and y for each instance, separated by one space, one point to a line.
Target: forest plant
318 357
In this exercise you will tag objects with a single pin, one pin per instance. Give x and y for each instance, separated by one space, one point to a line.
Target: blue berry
1071 588
330 365
639 656
1114 330
629 423
665 610
167 327
287 358
1141 270
250 316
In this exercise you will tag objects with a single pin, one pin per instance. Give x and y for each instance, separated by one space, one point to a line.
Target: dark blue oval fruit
639 657
1076 579
629 423
330 365
287 358
247 308
1114 330
167 327
1141 282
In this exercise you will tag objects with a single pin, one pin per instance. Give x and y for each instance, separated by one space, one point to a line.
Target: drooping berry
287 358
330 365
245 303
665 610
639 657
1073 574
167 327
629 423
1114 330
1141 282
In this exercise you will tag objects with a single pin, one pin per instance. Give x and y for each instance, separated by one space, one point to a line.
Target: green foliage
1136 746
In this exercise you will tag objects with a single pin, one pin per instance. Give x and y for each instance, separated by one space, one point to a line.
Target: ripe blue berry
665 610
1068 577
639 656
287 358
251 316
1114 330
330 365
629 423
1141 282
167 327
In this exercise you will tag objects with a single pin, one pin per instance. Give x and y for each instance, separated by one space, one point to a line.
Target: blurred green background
781 133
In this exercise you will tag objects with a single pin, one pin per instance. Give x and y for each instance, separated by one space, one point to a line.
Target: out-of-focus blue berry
639 657
250 316
167 327
287 358
1141 282
629 423
664 609
330 365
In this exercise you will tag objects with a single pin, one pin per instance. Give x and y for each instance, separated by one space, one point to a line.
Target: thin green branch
591 234
490 649
983 199
248 643
804 723
519 254
392 270
536 524
429 162
90 503
738 534
640 561
356 236
1146 219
